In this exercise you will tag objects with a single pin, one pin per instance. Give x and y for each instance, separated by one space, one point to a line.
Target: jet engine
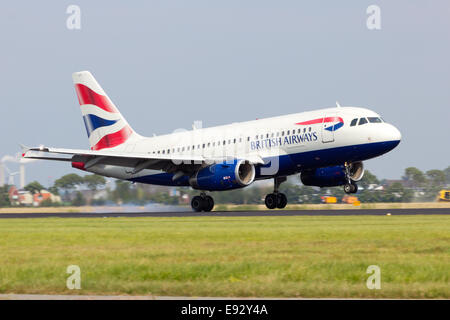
223 176
332 176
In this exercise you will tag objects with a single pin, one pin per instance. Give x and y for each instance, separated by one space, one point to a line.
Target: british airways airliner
325 147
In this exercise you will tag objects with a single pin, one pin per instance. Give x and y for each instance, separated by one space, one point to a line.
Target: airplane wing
138 161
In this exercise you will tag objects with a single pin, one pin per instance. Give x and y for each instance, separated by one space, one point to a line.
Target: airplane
325 147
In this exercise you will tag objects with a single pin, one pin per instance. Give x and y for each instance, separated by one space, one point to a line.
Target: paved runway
276 213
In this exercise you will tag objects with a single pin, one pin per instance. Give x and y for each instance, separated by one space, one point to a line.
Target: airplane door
327 129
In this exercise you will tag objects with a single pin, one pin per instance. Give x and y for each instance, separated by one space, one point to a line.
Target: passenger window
374 120
353 123
362 121
288 132
282 133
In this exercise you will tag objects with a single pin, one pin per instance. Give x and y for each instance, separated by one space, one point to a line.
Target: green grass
235 256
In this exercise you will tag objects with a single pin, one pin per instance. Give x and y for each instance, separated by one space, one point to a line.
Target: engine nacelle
332 176
356 171
224 176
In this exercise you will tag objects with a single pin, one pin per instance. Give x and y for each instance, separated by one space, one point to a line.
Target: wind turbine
10 175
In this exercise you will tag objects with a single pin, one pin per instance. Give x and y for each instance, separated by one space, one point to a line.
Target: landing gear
202 203
276 199
350 186
271 201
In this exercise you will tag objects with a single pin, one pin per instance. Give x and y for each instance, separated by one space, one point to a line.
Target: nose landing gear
350 186
202 203
276 199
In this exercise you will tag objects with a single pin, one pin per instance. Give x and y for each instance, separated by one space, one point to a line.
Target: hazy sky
166 64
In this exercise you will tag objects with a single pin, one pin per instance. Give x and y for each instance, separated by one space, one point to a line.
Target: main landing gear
202 203
276 199
350 186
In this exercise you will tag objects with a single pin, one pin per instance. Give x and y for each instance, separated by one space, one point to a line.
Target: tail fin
105 126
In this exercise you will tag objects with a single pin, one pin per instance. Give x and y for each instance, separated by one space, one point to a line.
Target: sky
166 64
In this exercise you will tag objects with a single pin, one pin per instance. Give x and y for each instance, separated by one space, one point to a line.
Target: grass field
299 256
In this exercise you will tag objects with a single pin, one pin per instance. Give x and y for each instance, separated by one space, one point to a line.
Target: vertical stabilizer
105 126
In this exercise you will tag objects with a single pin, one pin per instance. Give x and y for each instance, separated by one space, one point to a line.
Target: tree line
415 185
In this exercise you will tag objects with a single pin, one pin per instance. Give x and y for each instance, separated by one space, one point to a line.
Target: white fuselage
276 137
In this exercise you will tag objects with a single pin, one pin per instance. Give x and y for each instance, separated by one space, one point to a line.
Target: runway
265 213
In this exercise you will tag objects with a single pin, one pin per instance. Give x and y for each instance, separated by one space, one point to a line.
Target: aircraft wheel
208 204
271 201
354 188
348 188
197 203
281 200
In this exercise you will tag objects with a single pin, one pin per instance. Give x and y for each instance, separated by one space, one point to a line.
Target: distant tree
447 175
79 199
4 197
34 187
394 193
68 182
49 203
436 177
368 179
122 192
93 181
53 190
415 176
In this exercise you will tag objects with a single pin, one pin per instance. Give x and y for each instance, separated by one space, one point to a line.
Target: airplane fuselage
287 144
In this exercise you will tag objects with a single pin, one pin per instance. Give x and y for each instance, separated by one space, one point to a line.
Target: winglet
24 149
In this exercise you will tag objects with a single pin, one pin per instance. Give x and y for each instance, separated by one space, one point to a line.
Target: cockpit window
374 120
353 123
362 121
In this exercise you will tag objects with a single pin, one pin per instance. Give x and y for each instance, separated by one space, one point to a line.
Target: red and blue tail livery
105 126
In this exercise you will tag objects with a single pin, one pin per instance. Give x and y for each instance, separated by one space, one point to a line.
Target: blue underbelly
293 163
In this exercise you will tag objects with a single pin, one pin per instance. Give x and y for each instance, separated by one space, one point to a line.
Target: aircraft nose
391 137
395 134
